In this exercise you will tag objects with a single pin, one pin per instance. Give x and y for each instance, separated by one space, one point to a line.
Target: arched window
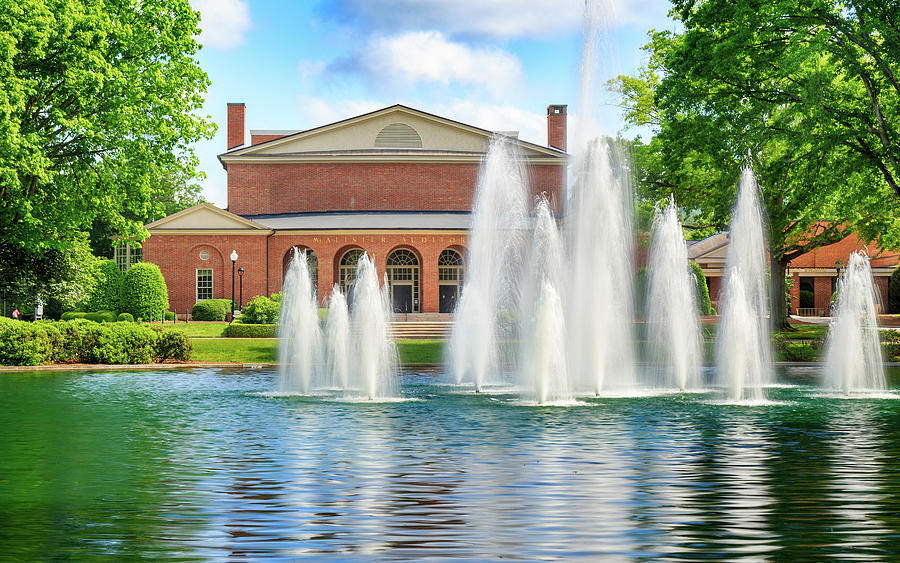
403 277
450 279
347 269
398 136
312 261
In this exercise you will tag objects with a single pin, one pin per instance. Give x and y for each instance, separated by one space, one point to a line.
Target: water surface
203 464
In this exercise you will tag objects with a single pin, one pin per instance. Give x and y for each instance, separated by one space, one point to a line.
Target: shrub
260 310
704 306
28 344
170 315
144 291
240 330
804 351
894 291
172 345
641 286
120 343
125 318
211 310
106 294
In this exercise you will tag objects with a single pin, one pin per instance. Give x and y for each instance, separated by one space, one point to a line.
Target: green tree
144 292
804 92
105 295
98 113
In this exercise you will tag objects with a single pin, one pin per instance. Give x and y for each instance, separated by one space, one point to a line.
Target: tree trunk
779 312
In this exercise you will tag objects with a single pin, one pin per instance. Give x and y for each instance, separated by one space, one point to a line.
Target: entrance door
448 294
402 298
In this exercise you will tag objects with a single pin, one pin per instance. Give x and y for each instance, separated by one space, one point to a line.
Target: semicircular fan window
398 136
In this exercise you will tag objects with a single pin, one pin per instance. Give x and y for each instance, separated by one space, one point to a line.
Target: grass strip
265 350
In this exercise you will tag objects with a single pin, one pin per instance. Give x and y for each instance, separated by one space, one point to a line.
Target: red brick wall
822 291
257 139
178 256
235 127
329 248
295 188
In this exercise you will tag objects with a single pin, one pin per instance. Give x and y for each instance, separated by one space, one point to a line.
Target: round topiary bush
704 306
144 291
106 294
894 291
125 318
260 310
211 310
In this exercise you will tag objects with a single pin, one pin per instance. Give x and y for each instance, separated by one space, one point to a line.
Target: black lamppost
234 258
241 290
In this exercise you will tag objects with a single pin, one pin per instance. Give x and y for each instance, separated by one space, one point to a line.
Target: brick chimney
235 125
556 127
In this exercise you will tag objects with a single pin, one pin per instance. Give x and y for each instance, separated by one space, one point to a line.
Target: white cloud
497 18
429 57
222 22
315 111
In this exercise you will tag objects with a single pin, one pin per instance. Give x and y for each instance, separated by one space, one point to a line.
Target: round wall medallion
204 255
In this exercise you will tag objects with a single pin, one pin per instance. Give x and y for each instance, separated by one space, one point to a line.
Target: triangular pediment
397 128
204 216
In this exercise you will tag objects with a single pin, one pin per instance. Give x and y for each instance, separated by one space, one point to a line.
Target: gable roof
355 139
205 217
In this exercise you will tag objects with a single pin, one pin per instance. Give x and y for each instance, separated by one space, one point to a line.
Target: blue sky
495 64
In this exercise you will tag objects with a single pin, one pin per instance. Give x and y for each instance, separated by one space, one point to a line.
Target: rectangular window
204 284
122 257
136 255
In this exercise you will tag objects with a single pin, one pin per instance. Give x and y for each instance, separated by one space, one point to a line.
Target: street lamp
234 258
241 290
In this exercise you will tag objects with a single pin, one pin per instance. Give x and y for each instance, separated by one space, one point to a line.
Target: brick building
396 183
814 274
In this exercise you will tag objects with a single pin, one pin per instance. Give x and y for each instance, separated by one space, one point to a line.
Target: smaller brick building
397 183
815 273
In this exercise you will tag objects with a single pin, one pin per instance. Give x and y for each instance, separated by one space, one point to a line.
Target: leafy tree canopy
98 112
807 93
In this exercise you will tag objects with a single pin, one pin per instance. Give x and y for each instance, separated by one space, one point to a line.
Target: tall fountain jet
853 361
744 359
543 333
484 317
300 347
673 327
337 338
373 351
599 298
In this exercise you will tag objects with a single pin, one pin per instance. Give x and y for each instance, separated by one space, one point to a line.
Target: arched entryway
403 273
451 270
312 261
347 269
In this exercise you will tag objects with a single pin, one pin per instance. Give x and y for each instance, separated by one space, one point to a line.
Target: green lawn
265 350
198 329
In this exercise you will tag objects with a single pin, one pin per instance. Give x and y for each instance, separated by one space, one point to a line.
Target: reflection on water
202 464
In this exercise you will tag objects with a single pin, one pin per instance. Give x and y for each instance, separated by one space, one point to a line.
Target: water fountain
853 350
372 345
337 338
543 333
600 309
357 358
673 328
299 352
743 356
486 314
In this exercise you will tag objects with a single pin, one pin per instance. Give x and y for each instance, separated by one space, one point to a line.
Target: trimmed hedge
170 315
211 310
97 316
83 341
894 291
106 294
260 310
125 318
240 330
144 292
704 306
